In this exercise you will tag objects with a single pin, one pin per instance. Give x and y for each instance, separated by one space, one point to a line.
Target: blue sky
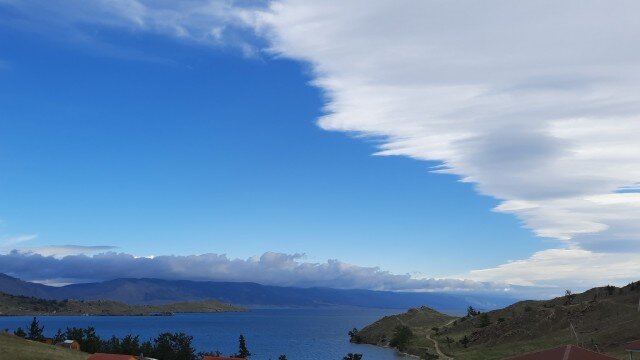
208 128
210 151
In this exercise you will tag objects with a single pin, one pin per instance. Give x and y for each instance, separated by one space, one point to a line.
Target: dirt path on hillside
437 346
441 355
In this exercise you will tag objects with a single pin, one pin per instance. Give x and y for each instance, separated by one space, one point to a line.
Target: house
69 344
103 356
633 348
565 352
220 358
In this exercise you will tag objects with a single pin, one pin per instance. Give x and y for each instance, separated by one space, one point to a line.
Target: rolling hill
24 305
420 319
157 291
604 319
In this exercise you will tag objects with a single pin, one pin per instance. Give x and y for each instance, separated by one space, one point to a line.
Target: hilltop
21 349
419 320
25 305
604 319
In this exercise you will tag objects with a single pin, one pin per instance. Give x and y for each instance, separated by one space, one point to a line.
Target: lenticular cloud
536 103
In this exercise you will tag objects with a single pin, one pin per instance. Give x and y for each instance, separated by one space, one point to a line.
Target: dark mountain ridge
158 291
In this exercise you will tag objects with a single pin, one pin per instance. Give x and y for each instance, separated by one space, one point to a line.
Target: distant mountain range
252 295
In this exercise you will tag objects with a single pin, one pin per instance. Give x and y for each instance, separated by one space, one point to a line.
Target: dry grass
16 348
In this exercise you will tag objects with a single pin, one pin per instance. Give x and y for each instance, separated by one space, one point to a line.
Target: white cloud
64 250
210 22
560 267
536 103
11 240
15 242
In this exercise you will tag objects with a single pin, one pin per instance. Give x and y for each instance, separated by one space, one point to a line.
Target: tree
471 311
464 341
436 330
610 289
430 356
147 348
185 350
243 352
282 357
35 331
58 337
484 320
354 336
20 333
130 345
176 346
91 342
351 356
112 346
568 297
216 353
448 341
402 335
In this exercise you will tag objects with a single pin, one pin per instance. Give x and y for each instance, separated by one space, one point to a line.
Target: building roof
220 358
103 356
565 352
633 346
68 343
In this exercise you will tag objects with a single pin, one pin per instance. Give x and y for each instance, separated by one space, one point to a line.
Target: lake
301 334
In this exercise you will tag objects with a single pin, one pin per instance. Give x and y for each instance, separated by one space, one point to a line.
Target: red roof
565 352
220 358
633 346
103 356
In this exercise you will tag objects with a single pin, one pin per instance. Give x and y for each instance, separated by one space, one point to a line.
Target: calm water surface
301 334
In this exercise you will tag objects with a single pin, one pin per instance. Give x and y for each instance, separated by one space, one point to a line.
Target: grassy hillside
23 305
604 319
16 348
420 321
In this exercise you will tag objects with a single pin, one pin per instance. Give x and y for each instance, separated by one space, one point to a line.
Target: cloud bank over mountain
268 269
535 103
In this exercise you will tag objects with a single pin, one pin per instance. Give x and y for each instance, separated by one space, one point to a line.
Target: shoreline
124 314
